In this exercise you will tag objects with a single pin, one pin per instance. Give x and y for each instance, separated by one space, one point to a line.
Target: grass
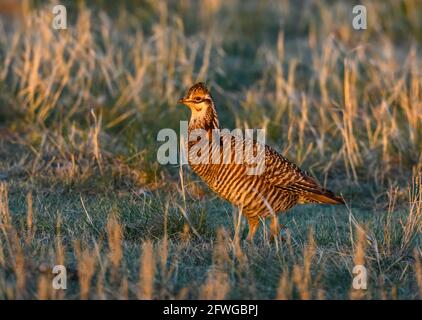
80 110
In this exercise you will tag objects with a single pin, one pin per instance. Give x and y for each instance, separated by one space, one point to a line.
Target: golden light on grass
146 272
4 207
114 231
418 271
100 290
87 262
412 227
2 257
217 284
81 107
18 263
351 149
124 289
302 276
359 260
216 287
29 218
284 290
94 133
44 287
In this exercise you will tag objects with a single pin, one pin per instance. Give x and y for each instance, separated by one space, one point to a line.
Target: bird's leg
275 228
253 227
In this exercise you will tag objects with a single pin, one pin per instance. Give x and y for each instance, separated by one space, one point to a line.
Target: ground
80 110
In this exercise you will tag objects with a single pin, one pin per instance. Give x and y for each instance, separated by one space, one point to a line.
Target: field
80 185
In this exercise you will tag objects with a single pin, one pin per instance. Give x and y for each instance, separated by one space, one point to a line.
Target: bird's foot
281 234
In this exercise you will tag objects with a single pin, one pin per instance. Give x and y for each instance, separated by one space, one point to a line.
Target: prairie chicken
280 186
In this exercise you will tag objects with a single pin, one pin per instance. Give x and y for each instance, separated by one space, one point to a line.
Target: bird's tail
324 196
312 192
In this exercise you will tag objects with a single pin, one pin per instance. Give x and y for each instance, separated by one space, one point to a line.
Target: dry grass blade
80 110
115 235
86 268
359 260
418 271
146 272
217 285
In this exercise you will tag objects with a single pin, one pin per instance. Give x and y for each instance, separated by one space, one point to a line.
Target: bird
279 186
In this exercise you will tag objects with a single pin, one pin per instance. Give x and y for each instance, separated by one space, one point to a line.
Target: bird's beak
184 101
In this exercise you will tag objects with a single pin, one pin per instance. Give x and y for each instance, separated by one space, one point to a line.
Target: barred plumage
279 186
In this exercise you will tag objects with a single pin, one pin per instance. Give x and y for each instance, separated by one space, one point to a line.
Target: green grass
278 65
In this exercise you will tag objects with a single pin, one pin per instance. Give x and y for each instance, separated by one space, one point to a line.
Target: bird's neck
203 120
206 120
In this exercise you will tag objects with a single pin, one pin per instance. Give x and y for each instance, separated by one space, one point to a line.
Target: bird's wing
281 172
284 174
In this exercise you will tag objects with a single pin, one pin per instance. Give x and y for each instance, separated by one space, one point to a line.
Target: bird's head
199 100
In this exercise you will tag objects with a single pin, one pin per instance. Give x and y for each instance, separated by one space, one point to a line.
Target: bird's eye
198 99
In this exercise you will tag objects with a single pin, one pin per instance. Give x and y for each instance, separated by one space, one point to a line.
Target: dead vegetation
81 187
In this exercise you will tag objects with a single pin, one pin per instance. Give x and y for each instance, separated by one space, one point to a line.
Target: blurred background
80 110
